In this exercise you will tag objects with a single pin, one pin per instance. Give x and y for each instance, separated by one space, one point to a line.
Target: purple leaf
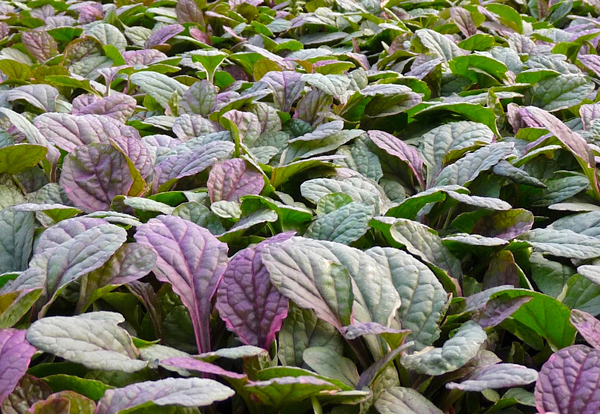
160 36
569 382
193 364
500 308
592 62
192 260
70 131
247 301
189 12
286 86
40 44
399 149
503 270
137 152
64 231
82 101
118 106
588 113
15 354
190 162
143 57
588 326
503 224
90 12
232 179
93 175
496 376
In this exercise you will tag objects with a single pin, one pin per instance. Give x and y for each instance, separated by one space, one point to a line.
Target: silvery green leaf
563 243
360 159
496 376
400 400
187 392
108 34
16 242
454 354
159 86
424 242
560 92
330 364
330 84
344 225
437 44
92 339
471 165
560 189
422 295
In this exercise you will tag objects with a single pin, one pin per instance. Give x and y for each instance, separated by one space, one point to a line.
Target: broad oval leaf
496 376
187 392
567 383
404 400
92 339
233 179
94 174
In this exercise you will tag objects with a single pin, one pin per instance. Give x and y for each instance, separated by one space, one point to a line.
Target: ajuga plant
328 207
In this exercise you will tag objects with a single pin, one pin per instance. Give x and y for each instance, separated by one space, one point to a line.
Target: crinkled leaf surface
94 340
496 376
188 392
404 400
233 179
454 354
568 382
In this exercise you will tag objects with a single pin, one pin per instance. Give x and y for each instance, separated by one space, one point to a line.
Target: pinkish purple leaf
588 326
82 101
247 301
592 62
588 113
15 354
143 57
118 106
231 179
160 36
189 12
93 175
286 86
500 308
70 131
193 364
90 12
399 149
569 382
192 260
40 44
190 161
137 152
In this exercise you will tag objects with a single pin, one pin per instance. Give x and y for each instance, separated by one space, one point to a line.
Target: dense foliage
332 206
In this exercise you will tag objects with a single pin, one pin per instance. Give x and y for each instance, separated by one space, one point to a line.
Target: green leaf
90 388
14 69
332 202
17 230
304 273
404 400
560 92
158 86
424 243
472 65
328 363
17 158
454 354
301 330
437 44
279 392
210 60
344 225
92 339
330 84
422 295
563 243
544 315
108 34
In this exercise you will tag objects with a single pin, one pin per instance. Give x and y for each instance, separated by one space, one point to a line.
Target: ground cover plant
332 206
